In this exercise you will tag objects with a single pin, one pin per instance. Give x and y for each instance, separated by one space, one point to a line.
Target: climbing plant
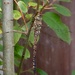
32 14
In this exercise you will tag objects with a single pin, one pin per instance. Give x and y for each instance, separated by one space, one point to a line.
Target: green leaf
54 22
30 44
33 4
73 72
28 16
62 10
27 54
22 6
0 15
16 55
0 9
41 72
1 62
28 24
26 1
16 62
65 0
16 14
1 3
19 49
17 35
1 47
15 73
0 31
31 37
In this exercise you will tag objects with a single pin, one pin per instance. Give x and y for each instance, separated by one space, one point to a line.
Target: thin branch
20 32
1 69
47 5
44 7
49 8
38 4
1 57
52 2
27 70
22 16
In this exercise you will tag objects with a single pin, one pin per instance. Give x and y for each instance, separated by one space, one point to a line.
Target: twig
2 69
27 70
22 16
44 7
49 8
20 32
38 4
1 57
52 2
47 5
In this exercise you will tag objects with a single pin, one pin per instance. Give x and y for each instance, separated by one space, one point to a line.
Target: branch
2 69
38 4
47 5
27 70
20 32
1 57
44 7
52 2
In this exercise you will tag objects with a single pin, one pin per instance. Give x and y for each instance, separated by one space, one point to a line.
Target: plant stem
38 4
27 70
43 7
47 4
1 57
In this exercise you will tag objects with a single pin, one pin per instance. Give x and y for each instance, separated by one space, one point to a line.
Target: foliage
41 72
61 9
54 22
73 72
51 19
1 47
22 6
16 15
